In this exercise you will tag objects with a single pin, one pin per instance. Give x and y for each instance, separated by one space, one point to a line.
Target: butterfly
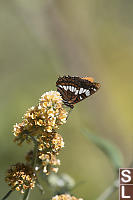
74 89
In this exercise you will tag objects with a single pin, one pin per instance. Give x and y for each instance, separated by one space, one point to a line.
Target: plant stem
34 152
27 192
40 187
109 191
7 195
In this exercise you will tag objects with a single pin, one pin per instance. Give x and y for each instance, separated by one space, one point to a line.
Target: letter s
125 173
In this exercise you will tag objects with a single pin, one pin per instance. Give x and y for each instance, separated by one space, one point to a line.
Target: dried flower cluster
65 197
50 142
39 124
47 116
49 145
47 162
21 177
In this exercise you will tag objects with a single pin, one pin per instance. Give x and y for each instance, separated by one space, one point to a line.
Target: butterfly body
75 89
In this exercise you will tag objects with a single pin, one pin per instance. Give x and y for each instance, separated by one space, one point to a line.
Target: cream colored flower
65 197
52 142
47 116
21 177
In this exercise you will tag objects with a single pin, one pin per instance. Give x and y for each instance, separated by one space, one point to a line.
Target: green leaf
108 148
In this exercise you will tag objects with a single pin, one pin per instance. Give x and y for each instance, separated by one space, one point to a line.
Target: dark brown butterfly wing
75 89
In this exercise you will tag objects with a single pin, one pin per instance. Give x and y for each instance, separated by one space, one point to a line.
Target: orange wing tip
89 79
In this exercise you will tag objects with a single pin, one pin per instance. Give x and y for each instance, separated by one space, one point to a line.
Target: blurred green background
40 40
